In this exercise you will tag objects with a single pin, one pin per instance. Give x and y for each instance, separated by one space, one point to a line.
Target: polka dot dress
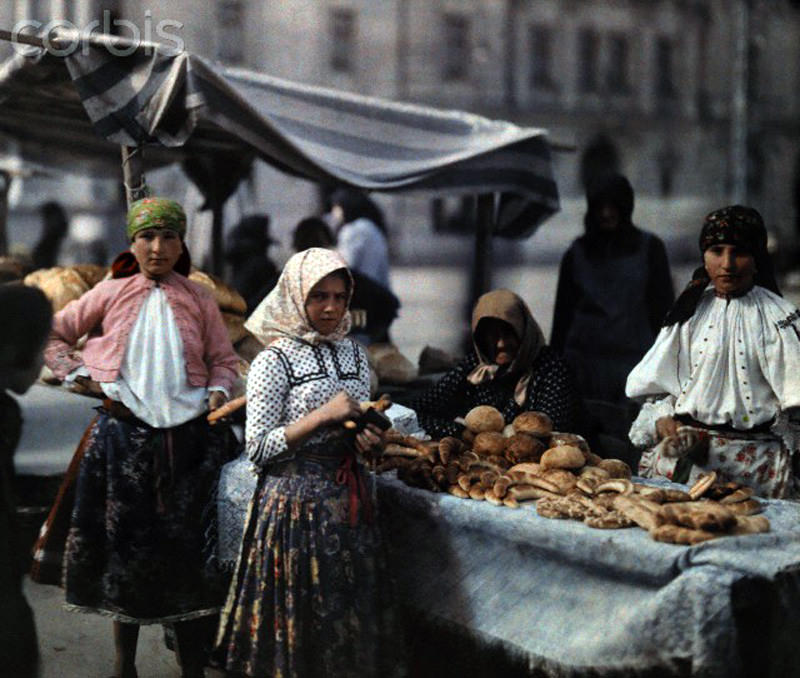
290 379
551 390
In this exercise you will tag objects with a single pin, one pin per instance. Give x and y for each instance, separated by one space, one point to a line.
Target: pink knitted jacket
107 314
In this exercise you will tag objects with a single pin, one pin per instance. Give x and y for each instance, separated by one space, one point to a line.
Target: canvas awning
75 111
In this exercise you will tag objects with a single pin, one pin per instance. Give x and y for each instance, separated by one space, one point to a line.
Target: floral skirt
758 460
135 548
310 595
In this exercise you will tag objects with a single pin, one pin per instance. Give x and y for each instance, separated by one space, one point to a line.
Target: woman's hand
88 387
216 399
340 408
369 442
666 427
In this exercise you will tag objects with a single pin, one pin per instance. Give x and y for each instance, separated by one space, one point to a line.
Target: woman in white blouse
307 595
721 384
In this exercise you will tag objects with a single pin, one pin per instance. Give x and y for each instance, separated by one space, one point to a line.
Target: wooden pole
482 260
216 237
5 185
133 174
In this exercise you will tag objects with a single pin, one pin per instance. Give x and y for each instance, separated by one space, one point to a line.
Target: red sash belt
347 474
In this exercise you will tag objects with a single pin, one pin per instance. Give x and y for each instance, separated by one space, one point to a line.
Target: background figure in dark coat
614 289
253 273
54 230
27 323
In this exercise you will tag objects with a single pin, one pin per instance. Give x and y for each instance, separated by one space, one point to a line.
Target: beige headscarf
282 313
507 306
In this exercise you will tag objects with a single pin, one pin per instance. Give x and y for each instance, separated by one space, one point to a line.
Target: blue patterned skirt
135 548
310 595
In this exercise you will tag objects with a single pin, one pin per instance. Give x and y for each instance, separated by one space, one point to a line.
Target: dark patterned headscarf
156 213
733 225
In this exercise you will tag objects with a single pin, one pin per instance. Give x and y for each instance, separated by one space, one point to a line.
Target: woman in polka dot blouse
307 596
510 368
720 386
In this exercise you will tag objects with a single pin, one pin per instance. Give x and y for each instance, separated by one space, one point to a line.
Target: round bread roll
592 459
90 273
533 423
487 443
484 418
563 456
522 447
227 298
60 285
235 325
560 438
616 468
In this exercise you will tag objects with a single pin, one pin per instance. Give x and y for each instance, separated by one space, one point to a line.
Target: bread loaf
60 285
521 446
563 456
616 468
488 443
227 298
484 418
533 423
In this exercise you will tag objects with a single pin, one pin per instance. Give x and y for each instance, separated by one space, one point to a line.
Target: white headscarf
282 313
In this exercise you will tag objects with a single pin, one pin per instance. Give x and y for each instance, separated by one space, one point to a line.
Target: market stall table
511 593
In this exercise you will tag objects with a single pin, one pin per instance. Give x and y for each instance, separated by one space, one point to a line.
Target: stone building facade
673 93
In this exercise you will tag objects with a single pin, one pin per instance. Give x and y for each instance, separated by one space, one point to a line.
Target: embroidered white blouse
291 378
735 362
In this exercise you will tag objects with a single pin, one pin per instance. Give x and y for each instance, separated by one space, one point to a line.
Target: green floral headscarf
156 213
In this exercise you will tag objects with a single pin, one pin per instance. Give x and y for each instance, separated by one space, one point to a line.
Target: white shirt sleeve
779 354
267 395
643 430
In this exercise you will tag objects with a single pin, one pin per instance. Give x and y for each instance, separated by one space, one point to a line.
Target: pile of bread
526 460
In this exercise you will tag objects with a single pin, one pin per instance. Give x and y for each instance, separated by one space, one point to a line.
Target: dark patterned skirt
135 548
310 595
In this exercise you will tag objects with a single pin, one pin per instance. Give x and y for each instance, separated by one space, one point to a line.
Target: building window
665 83
230 19
540 48
456 47
588 48
618 58
342 31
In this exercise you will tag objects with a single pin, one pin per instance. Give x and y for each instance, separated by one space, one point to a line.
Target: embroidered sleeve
438 406
267 396
643 429
554 391
779 352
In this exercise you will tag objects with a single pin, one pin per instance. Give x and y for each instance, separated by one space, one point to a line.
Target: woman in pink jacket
158 354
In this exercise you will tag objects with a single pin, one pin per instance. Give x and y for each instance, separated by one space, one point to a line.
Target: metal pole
133 174
739 113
